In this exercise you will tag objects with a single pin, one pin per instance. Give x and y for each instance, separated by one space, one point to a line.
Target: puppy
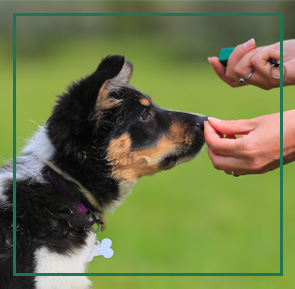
102 136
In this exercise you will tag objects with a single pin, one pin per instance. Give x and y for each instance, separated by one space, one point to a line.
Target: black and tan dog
102 136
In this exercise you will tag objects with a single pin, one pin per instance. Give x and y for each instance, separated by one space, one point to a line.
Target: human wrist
289 136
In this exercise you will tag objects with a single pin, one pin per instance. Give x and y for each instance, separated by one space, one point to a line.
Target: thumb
217 66
232 127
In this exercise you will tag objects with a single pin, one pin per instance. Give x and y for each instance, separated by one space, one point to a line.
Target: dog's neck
83 210
41 147
86 193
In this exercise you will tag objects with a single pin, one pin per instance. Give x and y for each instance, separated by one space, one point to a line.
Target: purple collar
79 206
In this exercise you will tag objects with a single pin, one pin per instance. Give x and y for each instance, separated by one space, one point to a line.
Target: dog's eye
145 116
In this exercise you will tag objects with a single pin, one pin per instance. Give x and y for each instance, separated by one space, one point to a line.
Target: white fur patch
4 176
40 145
51 262
28 166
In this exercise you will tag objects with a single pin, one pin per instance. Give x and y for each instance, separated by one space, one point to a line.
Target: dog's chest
75 262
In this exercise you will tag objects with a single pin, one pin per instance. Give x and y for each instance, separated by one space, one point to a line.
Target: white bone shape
102 249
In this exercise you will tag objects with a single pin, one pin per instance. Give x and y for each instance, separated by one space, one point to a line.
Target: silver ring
284 71
234 174
242 80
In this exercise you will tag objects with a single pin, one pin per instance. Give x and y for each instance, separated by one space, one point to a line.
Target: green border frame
147 274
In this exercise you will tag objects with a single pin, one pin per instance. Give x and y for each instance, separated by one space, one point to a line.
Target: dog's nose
200 122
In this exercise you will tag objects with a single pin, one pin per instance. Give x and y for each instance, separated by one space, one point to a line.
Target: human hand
245 58
257 150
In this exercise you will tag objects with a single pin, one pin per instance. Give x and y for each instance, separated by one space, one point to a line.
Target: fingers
218 67
224 153
233 127
227 74
255 153
227 163
218 144
245 66
246 59
257 61
260 61
239 52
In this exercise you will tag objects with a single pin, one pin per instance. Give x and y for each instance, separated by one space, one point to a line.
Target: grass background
192 219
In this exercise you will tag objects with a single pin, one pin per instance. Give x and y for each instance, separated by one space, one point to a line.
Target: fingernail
213 119
249 43
209 58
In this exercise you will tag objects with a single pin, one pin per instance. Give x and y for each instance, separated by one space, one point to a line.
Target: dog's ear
87 100
116 72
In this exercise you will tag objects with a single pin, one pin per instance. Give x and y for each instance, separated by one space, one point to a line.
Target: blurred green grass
189 219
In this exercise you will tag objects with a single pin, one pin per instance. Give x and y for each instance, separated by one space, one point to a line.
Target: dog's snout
200 122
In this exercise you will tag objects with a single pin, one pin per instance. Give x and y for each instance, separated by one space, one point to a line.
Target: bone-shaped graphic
102 249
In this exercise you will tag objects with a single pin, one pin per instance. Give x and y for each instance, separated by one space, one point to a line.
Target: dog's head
109 134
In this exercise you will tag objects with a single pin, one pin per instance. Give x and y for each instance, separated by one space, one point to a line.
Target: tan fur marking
131 165
178 134
144 102
103 103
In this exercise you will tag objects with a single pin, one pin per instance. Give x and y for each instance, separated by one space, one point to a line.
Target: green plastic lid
224 55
